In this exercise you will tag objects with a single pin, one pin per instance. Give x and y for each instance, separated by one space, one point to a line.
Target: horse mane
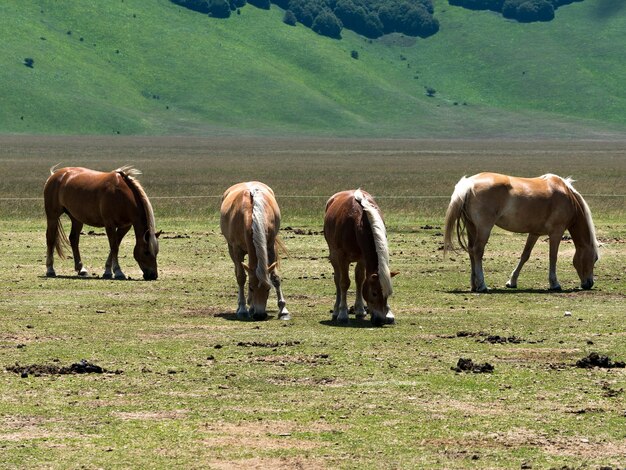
259 236
582 207
129 173
380 241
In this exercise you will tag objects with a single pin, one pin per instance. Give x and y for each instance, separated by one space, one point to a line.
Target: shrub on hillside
524 11
219 9
327 24
201 6
289 18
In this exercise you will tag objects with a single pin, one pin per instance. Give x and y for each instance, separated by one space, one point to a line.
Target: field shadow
232 316
353 323
89 278
499 290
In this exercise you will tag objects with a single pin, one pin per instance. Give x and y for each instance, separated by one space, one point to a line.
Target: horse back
236 214
346 227
524 205
92 197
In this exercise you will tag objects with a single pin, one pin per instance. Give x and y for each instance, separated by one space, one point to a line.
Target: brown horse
547 205
113 200
355 232
250 220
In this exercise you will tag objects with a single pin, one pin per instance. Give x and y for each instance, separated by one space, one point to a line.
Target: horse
546 205
355 232
250 221
114 200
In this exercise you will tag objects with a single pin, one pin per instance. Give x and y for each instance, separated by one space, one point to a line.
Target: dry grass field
186 385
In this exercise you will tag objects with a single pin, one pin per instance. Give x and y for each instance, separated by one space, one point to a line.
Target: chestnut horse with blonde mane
547 205
250 220
113 200
355 232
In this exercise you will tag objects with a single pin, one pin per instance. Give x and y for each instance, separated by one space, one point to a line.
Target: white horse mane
583 205
259 237
131 173
380 241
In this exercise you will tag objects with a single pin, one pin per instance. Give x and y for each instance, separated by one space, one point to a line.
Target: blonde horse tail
61 241
279 248
456 216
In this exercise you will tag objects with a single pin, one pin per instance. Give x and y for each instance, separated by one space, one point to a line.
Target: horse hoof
107 276
342 321
511 286
285 317
82 273
120 277
555 289
51 274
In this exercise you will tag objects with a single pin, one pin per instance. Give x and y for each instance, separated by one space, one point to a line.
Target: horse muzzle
150 275
588 284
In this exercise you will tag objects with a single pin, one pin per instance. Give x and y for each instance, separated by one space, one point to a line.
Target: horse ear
158 234
246 267
394 273
272 266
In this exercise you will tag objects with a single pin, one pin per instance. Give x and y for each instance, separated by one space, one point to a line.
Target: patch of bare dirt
257 344
261 463
81 367
314 360
149 415
286 380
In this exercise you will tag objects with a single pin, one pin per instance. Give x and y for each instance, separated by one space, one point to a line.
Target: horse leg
476 246
240 273
77 226
52 232
344 285
115 237
555 241
340 268
283 313
359 277
530 243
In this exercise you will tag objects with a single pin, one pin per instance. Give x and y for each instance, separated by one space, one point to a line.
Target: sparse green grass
190 396
156 68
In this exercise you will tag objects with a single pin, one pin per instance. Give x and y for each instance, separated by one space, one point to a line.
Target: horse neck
144 221
375 248
259 234
582 229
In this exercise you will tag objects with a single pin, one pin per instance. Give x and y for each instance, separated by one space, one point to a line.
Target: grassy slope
255 74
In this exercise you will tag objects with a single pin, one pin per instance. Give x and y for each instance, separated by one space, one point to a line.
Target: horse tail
259 235
54 168
61 242
456 216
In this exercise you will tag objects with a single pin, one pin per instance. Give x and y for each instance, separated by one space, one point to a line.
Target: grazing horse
113 200
355 232
547 205
250 220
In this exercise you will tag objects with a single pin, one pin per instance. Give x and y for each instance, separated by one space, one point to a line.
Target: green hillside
139 67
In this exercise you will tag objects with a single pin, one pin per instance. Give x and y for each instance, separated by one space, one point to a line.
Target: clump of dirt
497 339
82 367
596 360
256 344
299 231
467 365
175 237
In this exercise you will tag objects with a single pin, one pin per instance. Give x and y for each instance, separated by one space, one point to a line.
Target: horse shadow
232 316
90 278
530 290
352 323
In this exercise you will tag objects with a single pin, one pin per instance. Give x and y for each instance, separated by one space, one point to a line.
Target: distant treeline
370 18
524 11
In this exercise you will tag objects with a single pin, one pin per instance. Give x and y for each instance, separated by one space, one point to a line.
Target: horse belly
523 217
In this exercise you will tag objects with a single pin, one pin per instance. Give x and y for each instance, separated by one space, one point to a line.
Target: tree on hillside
201 6
289 18
219 9
327 24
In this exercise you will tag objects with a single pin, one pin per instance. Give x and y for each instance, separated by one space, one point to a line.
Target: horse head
376 299
146 251
584 260
258 291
